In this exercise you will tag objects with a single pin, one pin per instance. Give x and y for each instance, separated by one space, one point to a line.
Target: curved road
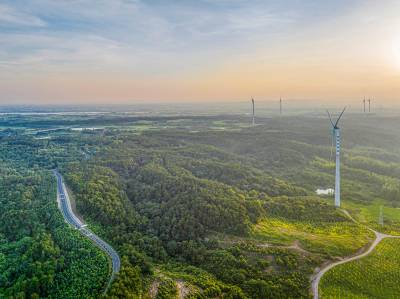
65 206
318 276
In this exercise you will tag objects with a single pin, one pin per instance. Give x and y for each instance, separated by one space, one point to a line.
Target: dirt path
183 290
378 238
295 246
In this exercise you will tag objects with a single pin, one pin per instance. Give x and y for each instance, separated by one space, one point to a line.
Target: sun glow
396 52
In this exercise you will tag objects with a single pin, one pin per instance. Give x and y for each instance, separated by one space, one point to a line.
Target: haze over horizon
121 51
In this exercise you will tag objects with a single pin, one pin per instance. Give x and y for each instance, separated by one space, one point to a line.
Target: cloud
41 51
14 17
142 37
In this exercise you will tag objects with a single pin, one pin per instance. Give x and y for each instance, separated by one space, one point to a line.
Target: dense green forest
197 207
40 256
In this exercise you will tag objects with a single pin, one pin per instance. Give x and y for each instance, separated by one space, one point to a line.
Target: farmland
375 276
370 215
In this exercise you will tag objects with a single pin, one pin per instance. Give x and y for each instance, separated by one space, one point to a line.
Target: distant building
328 191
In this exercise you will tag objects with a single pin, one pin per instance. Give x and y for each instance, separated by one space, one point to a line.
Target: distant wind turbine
336 136
364 104
254 116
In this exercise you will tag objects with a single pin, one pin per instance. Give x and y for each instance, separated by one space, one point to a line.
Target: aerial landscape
199 149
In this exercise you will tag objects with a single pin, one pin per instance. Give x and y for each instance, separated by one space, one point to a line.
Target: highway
64 205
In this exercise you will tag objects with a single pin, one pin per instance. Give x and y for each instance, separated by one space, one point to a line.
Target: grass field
375 276
369 215
335 239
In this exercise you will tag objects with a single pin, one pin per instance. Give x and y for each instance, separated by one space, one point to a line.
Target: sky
129 51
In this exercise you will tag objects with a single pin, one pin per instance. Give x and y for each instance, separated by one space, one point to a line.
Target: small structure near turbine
336 138
254 116
328 191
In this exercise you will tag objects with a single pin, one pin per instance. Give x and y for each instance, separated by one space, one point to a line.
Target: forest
40 256
197 207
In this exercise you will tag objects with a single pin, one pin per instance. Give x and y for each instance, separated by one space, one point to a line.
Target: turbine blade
339 117
330 118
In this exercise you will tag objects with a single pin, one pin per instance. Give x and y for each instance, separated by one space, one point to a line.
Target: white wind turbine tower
336 136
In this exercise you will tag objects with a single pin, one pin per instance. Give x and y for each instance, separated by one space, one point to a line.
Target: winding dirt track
379 237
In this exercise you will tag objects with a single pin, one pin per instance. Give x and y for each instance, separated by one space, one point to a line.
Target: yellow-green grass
375 276
369 215
335 239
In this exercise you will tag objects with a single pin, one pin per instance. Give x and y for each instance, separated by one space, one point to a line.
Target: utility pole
381 216
369 105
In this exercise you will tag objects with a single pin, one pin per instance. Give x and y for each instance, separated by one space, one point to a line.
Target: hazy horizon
238 108
127 52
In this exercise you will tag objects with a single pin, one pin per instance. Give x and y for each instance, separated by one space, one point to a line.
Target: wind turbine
364 104
254 117
336 136
280 106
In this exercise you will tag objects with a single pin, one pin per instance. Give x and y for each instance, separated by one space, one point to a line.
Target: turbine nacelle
335 125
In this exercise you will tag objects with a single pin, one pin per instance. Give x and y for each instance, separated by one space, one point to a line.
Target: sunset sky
127 51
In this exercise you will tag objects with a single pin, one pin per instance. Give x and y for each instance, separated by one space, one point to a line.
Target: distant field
369 214
376 276
335 239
